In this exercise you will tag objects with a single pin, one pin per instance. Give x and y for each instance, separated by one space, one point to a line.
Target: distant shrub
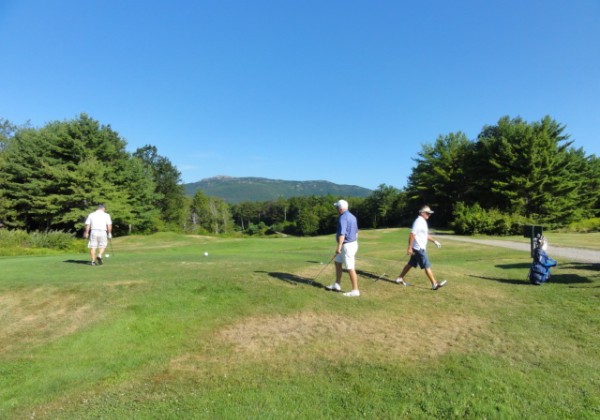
20 239
13 238
473 220
52 239
585 226
256 229
283 227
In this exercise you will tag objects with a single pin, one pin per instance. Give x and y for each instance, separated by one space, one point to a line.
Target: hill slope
236 190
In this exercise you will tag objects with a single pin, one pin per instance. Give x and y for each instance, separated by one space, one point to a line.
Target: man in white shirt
98 228
417 246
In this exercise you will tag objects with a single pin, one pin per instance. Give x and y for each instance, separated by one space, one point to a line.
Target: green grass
160 331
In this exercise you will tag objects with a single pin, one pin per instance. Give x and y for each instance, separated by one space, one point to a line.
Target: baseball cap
101 206
425 209
341 204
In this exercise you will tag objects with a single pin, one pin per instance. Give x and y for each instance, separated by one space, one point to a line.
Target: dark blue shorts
419 258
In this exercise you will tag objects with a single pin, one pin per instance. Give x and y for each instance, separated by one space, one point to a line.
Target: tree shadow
582 266
519 266
87 262
523 282
554 278
570 265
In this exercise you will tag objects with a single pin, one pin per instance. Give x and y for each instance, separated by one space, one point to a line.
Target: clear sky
345 91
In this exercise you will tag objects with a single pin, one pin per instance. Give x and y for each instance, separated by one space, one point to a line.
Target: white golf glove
110 236
439 245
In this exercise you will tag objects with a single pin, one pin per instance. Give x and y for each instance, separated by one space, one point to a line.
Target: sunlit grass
161 331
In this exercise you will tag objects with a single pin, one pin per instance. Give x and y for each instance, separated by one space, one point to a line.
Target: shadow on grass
293 279
572 266
77 262
554 278
520 266
582 266
374 276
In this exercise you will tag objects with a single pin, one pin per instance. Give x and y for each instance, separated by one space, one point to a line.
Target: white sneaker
438 285
335 286
353 293
402 282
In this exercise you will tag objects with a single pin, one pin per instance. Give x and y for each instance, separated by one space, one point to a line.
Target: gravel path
572 254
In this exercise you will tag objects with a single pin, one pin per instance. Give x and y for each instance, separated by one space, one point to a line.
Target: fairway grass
162 331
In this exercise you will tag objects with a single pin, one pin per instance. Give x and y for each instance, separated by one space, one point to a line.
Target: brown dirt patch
34 317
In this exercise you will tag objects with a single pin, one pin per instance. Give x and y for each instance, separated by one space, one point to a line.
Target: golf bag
540 267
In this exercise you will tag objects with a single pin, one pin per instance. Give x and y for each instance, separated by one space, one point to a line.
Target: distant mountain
236 190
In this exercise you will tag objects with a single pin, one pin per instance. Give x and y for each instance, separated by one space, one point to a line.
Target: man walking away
347 245
98 228
417 246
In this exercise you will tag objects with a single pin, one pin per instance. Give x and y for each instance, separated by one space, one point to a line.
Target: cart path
573 254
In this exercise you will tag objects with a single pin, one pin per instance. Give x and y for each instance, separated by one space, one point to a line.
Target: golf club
384 276
112 251
380 277
323 269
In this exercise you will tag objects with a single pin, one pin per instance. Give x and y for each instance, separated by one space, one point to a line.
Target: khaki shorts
347 255
98 239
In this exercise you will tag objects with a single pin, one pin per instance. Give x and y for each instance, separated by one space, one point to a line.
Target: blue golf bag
540 267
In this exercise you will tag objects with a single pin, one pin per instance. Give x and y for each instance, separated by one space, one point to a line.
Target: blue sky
344 91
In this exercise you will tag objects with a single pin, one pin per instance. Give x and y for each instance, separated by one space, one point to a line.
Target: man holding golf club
347 245
417 245
98 228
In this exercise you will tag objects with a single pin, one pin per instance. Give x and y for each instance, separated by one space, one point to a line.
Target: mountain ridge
239 189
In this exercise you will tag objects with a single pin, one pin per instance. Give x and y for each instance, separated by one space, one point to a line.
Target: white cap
426 209
341 204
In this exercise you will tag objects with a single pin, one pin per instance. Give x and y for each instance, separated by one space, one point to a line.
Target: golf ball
107 255
206 254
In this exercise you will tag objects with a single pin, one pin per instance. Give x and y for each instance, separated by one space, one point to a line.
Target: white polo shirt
99 220
421 232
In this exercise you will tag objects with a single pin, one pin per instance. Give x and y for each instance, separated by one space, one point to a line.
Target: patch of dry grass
275 340
39 316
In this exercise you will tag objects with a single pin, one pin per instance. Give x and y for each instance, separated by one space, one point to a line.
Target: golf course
180 326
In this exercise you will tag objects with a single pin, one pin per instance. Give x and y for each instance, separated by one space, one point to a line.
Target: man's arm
341 240
411 241
432 239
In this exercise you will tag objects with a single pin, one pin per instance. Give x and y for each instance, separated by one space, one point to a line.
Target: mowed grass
161 331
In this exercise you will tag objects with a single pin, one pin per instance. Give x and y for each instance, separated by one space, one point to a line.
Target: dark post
532 232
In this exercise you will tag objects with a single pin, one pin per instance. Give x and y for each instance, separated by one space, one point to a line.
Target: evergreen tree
532 171
52 177
439 178
169 192
382 208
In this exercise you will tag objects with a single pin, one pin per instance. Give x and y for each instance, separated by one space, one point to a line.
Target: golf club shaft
323 269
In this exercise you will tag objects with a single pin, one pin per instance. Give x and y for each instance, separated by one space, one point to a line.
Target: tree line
513 173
